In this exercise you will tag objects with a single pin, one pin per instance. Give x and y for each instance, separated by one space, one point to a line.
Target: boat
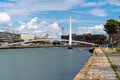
91 50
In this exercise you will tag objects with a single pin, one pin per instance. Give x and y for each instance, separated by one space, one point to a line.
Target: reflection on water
41 63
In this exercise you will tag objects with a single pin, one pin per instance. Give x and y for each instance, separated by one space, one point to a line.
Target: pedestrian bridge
82 42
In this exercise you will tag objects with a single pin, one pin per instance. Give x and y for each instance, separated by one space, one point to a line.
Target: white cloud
27 6
80 21
32 24
40 29
5 19
91 4
98 12
6 4
18 11
67 20
114 2
98 29
79 12
24 7
115 10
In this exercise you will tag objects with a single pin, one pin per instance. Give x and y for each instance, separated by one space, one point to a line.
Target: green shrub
117 49
114 67
117 76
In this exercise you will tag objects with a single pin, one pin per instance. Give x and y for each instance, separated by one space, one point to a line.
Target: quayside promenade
114 59
98 67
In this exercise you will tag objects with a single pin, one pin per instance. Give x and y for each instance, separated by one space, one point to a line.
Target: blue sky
39 17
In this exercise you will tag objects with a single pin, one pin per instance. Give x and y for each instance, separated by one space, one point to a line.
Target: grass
114 67
117 49
118 76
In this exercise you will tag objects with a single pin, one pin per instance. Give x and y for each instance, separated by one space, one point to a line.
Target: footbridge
81 42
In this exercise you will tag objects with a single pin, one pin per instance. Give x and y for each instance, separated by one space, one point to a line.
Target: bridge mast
70 35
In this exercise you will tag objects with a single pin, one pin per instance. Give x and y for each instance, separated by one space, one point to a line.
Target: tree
18 40
101 39
111 27
56 42
41 42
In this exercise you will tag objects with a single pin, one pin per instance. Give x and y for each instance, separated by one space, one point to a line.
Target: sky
40 17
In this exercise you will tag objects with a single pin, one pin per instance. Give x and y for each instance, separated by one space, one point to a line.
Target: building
84 37
8 37
46 38
11 37
74 37
27 37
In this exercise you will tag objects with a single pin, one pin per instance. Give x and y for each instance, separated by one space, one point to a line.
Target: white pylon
70 34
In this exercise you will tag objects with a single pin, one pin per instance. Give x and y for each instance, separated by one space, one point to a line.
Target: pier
98 67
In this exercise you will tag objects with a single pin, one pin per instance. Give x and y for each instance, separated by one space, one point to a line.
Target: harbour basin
42 63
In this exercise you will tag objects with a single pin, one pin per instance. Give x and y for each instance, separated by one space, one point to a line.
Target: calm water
41 63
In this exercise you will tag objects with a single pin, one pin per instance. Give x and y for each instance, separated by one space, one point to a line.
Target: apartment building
84 37
27 37
9 37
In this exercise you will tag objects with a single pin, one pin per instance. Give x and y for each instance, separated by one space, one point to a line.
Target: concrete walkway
98 68
114 58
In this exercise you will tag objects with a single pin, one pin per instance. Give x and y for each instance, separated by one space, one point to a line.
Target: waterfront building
11 37
8 37
49 40
27 37
92 38
46 38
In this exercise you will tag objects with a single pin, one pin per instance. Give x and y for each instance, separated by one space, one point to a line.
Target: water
41 63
